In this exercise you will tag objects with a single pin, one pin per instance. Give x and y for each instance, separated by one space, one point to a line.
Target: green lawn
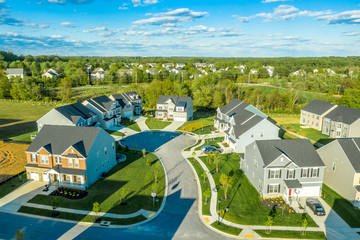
11 185
203 130
291 234
132 177
198 123
189 148
225 228
18 119
131 124
80 217
156 124
212 142
342 207
205 185
115 133
243 199
310 133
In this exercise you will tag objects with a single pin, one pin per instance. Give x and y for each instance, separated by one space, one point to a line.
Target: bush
148 163
126 148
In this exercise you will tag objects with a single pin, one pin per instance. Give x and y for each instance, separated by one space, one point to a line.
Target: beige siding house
312 114
175 108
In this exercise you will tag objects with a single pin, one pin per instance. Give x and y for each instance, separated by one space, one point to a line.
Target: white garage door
180 119
128 114
309 191
45 177
34 176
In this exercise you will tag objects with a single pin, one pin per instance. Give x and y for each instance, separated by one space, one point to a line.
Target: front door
290 192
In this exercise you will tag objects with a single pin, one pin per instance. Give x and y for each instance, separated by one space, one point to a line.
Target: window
262 134
105 150
317 117
113 145
78 179
260 184
274 188
344 135
44 159
339 125
98 154
313 116
76 163
315 172
317 124
66 178
70 163
57 159
33 158
252 135
334 166
274 173
96 168
253 174
291 174
345 127
255 164
304 173
338 133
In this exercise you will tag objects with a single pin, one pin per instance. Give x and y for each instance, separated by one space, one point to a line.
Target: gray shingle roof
300 151
59 138
318 107
19 71
102 103
245 122
126 97
74 111
176 99
344 114
235 106
292 183
72 171
351 148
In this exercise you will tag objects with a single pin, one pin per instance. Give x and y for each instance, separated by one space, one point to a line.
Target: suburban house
70 156
130 102
167 65
74 114
14 72
290 168
180 65
342 161
175 108
98 74
108 111
342 122
50 73
242 124
312 114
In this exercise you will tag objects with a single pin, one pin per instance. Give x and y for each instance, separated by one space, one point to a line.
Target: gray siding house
342 174
312 114
74 114
14 72
290 168
242 124
130 102
108 111
175 108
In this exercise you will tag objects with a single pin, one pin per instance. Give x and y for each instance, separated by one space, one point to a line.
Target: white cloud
94 29
2 1
346 17
200 29
270 1
70 1
56 36
136 2
68 24
123 8
351 33
151 1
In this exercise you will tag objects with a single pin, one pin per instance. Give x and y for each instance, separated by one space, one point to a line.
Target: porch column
71 178
82 179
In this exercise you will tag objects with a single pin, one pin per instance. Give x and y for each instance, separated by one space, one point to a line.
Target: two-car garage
34 176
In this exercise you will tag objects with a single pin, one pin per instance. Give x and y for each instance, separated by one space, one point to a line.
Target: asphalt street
178 220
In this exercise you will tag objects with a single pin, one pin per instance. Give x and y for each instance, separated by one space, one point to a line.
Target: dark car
316 206
210 149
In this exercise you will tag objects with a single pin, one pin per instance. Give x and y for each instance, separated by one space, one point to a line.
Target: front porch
71 180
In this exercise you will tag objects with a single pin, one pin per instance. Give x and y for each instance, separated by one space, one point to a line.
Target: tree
20 235
283 209
143 152
209 158
204 176
216 160
304 224
269 222
5 86
96 209
123 194
156 173
148 163
65 91
226 183
56 202
207 195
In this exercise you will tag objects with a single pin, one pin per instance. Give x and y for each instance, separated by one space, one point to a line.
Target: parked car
210 149
316 206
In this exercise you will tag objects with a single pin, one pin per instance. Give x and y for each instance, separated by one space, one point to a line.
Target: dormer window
33 158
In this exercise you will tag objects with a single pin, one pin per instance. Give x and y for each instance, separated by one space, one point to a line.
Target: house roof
233 107
351 148
74 111
102 103
292 183
126 97
344 114
57 139
300 151
318 107
245 122
18 71
72 171
177 100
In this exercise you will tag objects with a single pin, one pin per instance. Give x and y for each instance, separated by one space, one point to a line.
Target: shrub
148 163
126 148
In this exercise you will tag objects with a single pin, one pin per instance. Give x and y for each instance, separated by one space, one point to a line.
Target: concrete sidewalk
141 123
173 126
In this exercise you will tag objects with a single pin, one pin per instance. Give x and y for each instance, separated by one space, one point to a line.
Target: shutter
311 172
301 173
268 188
280 174
318 171
287 174
269 178
278 188
294 176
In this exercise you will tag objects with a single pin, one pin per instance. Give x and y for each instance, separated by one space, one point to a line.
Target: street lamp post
219 201
153 195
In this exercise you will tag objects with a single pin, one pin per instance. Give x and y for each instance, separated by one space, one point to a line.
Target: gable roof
318 107
74 111
102 103
245 122
18 71
300 151
57 139
126 97
177 100
233 107
344 114
351 148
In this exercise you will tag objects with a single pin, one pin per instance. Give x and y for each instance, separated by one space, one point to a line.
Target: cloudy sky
229 28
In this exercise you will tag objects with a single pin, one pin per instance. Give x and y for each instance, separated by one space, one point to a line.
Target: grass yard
129 123
191 126
17 119
227 229
152 123
80 217
342 207
12 184
205 186
281 118
12 159
243 199
189 148
212 142
310 133
119 183
115 133
203 130
291 234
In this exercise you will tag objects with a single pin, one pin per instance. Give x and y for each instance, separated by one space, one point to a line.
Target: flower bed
69 193
277 203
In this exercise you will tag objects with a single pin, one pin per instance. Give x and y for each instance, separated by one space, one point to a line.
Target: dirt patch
12 159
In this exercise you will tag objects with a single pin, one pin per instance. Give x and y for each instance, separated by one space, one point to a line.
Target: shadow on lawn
17 129
7 121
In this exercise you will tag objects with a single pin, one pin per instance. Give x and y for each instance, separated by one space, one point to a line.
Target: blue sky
229 28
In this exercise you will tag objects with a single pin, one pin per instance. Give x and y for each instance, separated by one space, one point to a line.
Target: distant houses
14 72
50 73
131 103
98 74
336 121
175 108
70 156
242 124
